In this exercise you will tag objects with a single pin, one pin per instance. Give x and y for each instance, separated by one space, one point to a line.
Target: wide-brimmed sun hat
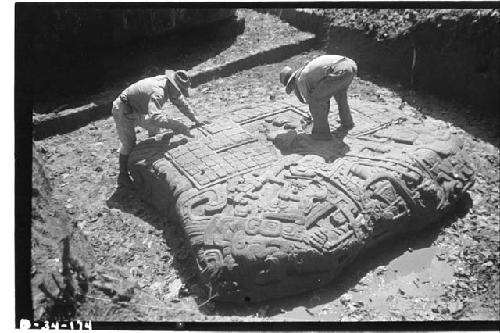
287 77
183 81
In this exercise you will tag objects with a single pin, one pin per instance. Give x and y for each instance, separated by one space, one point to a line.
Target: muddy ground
143 272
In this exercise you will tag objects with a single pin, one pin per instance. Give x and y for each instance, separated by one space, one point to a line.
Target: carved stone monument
270 212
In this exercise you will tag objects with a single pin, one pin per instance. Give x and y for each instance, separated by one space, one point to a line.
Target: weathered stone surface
270 212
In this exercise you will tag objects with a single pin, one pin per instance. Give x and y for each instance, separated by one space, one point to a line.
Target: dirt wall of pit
69 49
455 56
61 258
66 27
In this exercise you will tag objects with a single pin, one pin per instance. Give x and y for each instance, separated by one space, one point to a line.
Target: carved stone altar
270 212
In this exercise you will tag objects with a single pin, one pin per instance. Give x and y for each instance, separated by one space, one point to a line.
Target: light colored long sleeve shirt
312 73
149 95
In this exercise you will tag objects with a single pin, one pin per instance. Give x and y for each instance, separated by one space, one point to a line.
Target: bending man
316 83
141 105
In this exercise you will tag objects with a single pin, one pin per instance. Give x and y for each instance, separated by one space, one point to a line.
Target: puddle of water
299 313
421 264
413 275
410 262
416 274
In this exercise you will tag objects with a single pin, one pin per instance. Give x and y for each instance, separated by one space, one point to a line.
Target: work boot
321 136
123 177
342 131
346 127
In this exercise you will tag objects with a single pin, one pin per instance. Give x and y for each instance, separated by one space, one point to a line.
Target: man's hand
198 123
180 128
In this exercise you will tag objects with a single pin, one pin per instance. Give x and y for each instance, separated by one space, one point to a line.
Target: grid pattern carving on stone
227 149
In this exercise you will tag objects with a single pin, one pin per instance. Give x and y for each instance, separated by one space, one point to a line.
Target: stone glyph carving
270 212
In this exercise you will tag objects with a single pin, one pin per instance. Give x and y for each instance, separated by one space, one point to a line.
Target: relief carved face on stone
271 215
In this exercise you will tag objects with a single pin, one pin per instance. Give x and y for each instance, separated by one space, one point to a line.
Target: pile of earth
390 23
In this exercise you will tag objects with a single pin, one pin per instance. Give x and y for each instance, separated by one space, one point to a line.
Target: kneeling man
141 105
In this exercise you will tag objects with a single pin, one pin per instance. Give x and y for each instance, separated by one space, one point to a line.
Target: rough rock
269 212
267 219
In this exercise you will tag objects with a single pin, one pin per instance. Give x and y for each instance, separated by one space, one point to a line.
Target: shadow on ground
291 142
128 201
65 83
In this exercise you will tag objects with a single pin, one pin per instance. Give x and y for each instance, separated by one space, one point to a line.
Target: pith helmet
183 81
287 78
285 74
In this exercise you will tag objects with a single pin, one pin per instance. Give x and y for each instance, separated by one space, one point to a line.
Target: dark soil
143 271
70 82
76 84
382 24
60 256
